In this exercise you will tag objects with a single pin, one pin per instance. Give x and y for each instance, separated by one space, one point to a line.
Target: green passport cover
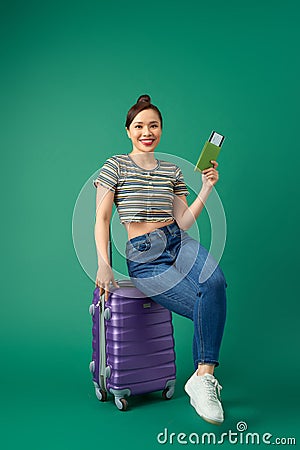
209 152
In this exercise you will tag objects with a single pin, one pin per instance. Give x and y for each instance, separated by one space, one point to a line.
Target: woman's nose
146 132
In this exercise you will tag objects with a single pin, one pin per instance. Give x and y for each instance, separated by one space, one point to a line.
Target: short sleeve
108 175
180 186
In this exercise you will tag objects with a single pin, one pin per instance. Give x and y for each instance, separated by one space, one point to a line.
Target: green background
70 71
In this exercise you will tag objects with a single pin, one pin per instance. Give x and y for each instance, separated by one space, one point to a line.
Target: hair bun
144 98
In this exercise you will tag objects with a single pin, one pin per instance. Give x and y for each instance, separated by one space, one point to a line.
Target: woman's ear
128 132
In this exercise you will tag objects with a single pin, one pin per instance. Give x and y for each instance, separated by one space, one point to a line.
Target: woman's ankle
205 368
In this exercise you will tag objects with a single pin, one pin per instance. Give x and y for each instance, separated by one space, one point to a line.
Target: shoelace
212 386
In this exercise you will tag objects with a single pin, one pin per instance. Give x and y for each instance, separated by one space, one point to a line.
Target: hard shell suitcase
133 345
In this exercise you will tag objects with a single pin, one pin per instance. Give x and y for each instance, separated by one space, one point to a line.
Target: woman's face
145 131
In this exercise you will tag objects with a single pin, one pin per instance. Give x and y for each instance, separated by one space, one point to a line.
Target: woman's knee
217 279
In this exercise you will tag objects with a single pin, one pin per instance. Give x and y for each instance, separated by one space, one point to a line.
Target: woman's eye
152 126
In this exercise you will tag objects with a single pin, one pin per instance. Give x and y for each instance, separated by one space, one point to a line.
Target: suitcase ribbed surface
139 342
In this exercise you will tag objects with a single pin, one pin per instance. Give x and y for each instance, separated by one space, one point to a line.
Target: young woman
163 261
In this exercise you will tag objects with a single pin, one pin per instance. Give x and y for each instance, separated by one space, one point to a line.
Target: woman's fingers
106 292
115 283
104 282
215 165
211 171
211 174
101 290
208 171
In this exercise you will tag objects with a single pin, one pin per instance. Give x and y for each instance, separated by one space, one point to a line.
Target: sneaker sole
199 412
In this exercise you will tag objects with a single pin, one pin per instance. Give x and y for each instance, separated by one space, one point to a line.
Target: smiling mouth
147 141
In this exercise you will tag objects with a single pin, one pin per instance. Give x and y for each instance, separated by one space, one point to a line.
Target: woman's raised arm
186 215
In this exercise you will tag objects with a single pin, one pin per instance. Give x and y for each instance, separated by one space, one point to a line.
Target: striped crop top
142 195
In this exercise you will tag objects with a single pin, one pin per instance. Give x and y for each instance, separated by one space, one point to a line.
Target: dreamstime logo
83 222
241 426
240 437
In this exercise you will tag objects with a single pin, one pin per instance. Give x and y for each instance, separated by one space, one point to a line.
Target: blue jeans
177 272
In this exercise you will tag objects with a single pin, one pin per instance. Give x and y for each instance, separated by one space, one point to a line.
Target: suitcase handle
102 362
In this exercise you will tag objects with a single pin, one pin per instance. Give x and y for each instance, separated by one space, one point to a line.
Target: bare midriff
135 229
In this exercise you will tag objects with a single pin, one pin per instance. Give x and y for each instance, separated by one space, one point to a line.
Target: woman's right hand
104 277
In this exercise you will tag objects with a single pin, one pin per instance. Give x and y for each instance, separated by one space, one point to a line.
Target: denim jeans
177 272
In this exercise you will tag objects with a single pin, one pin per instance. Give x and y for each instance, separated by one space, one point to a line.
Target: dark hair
143 102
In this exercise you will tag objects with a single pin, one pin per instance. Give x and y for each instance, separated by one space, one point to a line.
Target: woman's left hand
210 176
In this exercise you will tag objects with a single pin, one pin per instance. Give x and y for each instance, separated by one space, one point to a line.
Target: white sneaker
204 392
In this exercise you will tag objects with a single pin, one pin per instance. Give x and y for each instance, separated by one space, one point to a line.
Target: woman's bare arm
186 215
104 203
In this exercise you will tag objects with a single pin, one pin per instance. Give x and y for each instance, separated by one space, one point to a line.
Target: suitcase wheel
92 310
101 394
167 393
121 403
92 366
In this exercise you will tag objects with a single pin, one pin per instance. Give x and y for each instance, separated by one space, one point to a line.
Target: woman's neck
145 160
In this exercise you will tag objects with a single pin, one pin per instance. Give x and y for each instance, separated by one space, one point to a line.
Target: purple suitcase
133 345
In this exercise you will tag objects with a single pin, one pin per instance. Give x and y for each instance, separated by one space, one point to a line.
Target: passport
210 151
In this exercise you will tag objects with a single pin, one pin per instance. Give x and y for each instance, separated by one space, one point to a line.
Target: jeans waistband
166 229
